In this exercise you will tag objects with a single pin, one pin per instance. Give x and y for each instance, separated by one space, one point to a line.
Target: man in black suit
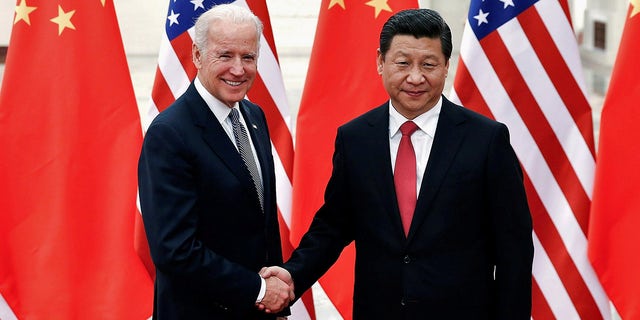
431 193
207 184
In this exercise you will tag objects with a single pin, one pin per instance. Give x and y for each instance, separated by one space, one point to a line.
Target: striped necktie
244 148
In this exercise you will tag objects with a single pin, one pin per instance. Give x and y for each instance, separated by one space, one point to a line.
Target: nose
237 68
415 76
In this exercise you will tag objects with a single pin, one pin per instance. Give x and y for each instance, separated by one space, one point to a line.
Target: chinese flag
342 83
614 240
69 138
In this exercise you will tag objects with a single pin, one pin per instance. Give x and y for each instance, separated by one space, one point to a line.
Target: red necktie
404 176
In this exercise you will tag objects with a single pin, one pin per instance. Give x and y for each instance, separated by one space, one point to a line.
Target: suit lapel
447 140
380 160
216 138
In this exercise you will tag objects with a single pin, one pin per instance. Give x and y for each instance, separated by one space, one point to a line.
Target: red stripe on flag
540 129
541 309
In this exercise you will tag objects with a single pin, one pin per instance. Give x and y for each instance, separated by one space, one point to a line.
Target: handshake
280 290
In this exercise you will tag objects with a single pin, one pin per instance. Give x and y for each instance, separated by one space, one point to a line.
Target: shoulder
372 118
459 113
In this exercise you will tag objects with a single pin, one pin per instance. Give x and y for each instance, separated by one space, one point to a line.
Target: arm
512 227
330 231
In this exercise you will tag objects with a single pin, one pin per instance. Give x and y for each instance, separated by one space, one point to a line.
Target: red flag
342 83
615 212
70 138
175 72
519 63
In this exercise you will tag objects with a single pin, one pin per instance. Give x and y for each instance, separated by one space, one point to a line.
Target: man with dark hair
431 193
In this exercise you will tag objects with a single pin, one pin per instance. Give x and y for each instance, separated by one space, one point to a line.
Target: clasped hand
279 291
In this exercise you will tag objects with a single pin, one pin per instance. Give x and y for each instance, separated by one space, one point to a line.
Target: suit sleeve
512 229
167 198
330 231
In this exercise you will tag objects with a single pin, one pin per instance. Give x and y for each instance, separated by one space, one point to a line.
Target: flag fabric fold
70 137
176 70
342 82
615 211
519 64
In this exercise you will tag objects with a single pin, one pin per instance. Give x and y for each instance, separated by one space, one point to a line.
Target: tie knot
408 128
234 116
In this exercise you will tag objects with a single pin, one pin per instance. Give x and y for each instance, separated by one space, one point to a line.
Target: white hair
223 12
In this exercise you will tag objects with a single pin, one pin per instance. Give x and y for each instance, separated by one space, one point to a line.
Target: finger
267 272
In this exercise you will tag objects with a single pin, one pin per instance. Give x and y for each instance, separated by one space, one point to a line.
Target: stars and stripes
519 63
174 73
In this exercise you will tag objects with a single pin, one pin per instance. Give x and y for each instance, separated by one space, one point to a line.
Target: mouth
233 83
414 93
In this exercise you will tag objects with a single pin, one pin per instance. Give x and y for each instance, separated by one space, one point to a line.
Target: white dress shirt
422 139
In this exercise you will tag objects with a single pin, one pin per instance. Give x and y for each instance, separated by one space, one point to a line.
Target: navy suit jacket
469 250
207 233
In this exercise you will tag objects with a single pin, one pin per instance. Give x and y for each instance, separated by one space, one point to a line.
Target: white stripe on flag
5 311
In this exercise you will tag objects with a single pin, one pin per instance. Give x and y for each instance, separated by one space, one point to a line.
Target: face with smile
228 64
413 73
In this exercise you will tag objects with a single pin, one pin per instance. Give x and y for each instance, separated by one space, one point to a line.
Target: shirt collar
427 122
219 109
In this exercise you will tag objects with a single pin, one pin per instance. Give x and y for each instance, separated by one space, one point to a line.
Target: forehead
408 44
235 34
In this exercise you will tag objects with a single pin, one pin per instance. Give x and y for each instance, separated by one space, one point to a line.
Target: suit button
407 259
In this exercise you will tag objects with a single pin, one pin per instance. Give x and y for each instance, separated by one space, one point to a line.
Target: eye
429 65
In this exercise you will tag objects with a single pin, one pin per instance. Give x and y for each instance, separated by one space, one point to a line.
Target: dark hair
418 23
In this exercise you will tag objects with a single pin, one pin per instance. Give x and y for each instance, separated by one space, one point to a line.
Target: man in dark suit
431 193
207 184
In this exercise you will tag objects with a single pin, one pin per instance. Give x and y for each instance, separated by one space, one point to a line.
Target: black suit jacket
469 250
207 234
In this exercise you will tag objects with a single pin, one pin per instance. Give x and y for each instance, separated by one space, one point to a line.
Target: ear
196 56
379 61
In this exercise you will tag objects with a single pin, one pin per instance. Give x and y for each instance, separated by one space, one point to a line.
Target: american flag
519 64
175 72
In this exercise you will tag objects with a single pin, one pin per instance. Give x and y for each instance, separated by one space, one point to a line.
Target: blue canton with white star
182 14
485 16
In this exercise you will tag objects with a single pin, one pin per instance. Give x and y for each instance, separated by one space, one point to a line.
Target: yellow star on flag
63 20
22 12
379 5
338 2
636 8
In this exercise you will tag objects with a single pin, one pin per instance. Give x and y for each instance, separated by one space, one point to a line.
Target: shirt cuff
263 290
